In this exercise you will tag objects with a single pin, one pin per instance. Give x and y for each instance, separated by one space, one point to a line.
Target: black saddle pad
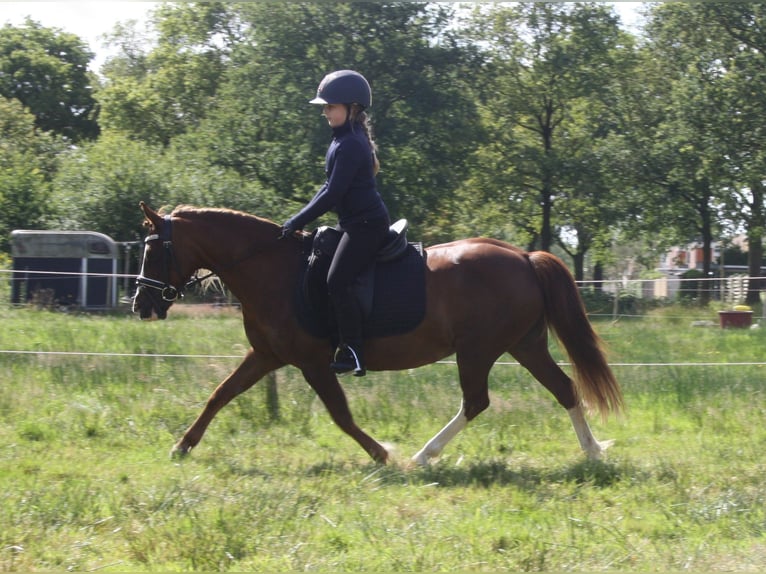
398 305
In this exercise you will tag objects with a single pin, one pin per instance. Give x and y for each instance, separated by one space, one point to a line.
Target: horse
484 298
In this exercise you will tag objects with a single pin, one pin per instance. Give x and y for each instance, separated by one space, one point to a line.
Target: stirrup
347 360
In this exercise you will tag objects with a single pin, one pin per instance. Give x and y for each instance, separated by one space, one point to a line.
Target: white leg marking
434 446
593 448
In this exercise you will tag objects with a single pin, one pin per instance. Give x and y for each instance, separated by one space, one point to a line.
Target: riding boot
348 357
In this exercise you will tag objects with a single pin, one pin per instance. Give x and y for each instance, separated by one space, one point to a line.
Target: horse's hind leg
474 373
249 372
592 447
538 361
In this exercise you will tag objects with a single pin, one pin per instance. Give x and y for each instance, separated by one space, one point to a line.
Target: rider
350 190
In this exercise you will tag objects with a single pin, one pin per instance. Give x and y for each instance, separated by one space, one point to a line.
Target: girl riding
350 191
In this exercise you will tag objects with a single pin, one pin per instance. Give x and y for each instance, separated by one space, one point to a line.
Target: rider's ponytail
360 117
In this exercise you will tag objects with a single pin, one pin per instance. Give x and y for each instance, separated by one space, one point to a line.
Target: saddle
391 291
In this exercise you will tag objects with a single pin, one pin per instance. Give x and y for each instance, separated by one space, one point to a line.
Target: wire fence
442 362
728 291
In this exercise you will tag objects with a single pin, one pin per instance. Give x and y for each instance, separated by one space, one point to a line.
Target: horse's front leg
249 372
326 385
435 446
474 373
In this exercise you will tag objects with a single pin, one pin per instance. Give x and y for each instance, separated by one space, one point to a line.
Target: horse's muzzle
147 304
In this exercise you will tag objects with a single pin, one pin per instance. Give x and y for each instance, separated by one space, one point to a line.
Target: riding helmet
344 87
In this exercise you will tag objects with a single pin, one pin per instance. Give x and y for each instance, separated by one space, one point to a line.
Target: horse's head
159 282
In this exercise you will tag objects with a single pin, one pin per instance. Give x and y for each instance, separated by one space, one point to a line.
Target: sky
88 20
91 20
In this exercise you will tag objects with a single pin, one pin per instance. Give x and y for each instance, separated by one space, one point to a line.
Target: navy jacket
350 189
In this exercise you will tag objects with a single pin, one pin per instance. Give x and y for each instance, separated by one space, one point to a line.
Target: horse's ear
151 216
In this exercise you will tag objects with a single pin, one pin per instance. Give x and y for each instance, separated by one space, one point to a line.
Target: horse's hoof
420 459
179 452
599 452
386 453
381 458
605 444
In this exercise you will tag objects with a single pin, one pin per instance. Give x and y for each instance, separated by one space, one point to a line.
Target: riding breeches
356 250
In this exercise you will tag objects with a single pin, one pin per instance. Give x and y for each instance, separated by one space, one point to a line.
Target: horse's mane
210 214
192 211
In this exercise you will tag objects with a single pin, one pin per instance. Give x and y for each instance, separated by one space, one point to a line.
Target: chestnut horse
484 298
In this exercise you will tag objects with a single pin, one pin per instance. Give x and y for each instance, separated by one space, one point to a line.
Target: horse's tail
566 316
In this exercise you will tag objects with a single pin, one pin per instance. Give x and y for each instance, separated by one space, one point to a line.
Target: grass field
86 482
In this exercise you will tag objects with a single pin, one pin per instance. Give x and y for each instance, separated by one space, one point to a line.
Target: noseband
168 292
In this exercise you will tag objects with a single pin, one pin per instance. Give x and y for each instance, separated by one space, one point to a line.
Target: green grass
86 482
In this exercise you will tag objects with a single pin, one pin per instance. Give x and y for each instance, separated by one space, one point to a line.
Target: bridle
168 292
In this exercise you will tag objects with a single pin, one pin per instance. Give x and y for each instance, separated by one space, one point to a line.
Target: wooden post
272 397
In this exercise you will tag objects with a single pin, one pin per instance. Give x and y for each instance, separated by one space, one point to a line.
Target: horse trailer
76 268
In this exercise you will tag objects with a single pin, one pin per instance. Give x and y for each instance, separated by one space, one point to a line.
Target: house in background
726 275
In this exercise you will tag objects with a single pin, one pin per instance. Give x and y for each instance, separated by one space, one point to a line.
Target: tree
231 82
191 178
27 161
99 185
549 67
264 128
706 156
166 92
46 70
742 136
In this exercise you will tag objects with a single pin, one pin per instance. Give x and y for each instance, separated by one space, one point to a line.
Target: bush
690 290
